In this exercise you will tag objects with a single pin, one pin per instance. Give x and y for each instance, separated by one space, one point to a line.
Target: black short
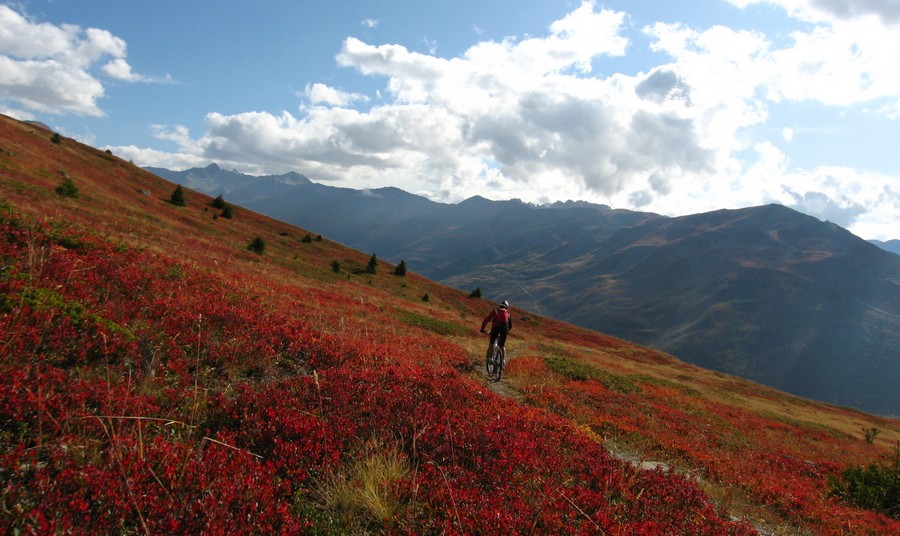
499 333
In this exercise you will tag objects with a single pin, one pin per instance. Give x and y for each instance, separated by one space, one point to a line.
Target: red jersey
498 317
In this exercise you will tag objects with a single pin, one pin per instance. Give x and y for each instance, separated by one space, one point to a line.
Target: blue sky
668 107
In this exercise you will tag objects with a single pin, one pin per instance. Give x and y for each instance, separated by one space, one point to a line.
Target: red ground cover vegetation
143 395
774 469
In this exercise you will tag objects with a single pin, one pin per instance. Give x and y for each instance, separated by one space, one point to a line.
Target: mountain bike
495 360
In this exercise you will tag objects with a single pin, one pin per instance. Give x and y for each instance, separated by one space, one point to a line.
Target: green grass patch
554 350
442 327
804 424
44 299
684 389
577 371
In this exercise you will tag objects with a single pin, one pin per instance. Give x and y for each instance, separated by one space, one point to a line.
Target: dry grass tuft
368 492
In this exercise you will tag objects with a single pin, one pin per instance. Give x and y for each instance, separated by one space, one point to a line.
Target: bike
495 360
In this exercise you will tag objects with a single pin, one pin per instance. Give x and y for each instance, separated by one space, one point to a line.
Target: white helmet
504 304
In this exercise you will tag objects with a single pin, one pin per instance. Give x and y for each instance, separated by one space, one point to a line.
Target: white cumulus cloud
322 94
49 68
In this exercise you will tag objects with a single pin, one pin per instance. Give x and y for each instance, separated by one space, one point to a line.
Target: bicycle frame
495 360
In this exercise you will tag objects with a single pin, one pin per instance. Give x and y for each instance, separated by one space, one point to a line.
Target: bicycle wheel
490 364
500 354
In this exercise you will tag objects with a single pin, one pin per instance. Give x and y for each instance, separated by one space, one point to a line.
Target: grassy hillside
160 377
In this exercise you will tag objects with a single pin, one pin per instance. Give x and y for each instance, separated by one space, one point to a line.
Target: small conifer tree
219 202
372 267
56 138
257 245
335 267
307 239
227 211
177 198
476 293
400 269
67 188
425 297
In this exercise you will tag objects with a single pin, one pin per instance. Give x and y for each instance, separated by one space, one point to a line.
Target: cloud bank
57 69
538 118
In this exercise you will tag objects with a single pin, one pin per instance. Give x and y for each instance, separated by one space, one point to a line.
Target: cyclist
501 324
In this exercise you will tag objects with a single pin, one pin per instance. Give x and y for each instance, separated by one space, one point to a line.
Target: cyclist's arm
486 320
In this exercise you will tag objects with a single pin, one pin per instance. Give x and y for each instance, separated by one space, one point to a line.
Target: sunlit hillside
171 370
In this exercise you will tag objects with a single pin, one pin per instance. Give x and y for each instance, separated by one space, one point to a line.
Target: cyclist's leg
496 333
502 332
491 343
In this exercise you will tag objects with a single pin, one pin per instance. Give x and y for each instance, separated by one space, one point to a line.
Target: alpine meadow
176 364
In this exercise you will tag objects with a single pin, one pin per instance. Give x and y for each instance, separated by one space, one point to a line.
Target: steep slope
765 293
162 378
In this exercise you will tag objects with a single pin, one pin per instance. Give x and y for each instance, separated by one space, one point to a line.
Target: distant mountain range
765 293
891 245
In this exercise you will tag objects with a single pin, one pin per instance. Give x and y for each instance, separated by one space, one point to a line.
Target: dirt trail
507 390
503 388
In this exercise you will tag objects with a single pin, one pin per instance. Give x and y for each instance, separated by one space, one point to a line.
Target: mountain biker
501 324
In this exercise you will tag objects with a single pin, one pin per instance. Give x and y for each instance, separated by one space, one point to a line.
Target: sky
652 105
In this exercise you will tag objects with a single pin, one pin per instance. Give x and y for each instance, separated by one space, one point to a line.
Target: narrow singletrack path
503 387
